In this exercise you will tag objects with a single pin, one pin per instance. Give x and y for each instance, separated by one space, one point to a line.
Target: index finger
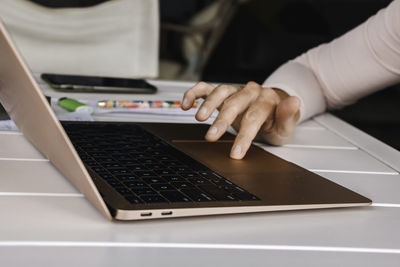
201 89
251 123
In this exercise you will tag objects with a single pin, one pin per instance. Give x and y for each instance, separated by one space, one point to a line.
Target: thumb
287 114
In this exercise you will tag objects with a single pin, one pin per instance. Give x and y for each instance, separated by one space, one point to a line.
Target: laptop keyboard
145 169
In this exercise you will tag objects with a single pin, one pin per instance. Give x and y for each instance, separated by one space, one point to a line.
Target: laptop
137 171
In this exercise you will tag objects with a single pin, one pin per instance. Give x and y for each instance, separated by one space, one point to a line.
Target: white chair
117 38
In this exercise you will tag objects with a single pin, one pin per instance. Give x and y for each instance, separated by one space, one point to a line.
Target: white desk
46 222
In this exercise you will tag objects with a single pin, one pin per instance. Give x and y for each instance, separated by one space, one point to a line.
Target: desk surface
45 221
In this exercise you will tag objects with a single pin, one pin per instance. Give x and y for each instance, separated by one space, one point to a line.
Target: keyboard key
173 178
181 169
135 167
172 163
233 189
147 160
164 172
120 156
210 175
183 185
139 155
196 195
110 165
162 187
175 196
143 191
188 175
199 181
127 177
144 173
118 171
91 164
153 199
240 193
123 190
154 180
164 157
133 199
129 161
113 182
155 166
98 169
217 193
132 184
221 182
107 160
106 176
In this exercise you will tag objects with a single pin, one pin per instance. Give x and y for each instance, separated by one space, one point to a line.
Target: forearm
358 63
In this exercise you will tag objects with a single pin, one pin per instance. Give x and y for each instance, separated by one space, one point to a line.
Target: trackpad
269 177
216 156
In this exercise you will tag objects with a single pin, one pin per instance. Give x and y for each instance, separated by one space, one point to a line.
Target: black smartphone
93 84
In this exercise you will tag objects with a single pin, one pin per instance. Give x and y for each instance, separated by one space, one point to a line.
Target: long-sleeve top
354 65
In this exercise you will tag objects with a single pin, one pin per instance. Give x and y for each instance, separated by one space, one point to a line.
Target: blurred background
234 41
262 35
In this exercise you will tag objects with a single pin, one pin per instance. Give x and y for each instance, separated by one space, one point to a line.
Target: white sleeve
338 73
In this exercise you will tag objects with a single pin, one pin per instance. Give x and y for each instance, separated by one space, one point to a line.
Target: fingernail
212 131
185 102
203 112
237 150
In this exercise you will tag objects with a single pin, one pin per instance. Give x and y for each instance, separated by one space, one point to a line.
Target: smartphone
93 84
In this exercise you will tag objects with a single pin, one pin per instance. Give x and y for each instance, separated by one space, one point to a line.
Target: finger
215 99
231 108
201 89
253 119
286 116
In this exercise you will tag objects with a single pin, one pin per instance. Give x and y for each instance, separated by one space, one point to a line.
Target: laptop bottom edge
127 215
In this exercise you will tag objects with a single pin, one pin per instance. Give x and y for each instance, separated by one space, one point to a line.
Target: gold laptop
135 171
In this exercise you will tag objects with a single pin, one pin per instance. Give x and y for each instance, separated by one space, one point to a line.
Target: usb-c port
145 214
166 213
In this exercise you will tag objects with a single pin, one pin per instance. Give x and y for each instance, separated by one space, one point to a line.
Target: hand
255 112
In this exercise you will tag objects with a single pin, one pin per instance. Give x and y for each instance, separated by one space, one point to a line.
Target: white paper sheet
9 125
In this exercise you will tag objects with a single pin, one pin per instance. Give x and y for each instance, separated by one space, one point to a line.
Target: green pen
74 105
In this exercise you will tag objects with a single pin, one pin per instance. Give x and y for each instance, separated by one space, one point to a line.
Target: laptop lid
23 100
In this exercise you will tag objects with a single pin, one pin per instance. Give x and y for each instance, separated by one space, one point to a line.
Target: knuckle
224 89
201 85
253 84
224 86
231 104
253 89
252 115
268 95
230 109
228 102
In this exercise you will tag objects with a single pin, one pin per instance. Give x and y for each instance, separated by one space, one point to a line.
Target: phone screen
76 83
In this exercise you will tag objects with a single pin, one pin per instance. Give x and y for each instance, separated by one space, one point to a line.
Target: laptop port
166 213
145 214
